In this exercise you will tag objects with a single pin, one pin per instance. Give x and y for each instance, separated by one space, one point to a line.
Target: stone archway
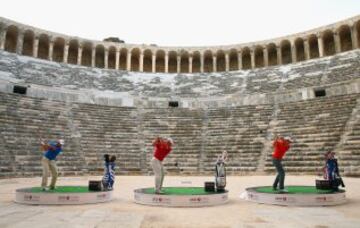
11 36
58 50
44 44
313 46
73 52
28 43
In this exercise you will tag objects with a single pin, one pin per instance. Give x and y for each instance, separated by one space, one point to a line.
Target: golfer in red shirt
281 145
162 148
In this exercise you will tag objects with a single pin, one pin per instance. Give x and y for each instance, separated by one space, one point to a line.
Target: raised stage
61 195
180 197
296 196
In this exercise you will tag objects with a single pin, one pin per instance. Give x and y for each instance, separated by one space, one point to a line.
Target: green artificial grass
63 189
180 191
295 190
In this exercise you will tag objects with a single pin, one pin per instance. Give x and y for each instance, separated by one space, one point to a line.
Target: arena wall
321 42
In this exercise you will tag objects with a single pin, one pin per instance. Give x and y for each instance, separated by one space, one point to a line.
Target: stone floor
122 212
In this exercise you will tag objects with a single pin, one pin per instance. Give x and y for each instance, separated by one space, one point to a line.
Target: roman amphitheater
113 97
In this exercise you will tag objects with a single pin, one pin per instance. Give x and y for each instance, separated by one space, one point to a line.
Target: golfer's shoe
159 192
283 191
52 188
43 189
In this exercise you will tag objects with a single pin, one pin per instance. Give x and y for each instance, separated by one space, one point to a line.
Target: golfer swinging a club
281 145
162 148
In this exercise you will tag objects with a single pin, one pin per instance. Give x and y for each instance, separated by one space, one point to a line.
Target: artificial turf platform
63 189
295 190
187 191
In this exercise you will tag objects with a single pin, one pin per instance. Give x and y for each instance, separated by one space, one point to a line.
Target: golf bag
220 172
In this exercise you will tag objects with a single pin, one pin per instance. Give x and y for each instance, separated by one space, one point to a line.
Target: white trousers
158 169
46 165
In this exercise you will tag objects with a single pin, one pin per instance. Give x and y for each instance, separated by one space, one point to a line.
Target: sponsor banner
68 198
161 200
31 198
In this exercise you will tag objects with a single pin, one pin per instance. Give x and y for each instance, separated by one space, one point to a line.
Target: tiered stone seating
318 72
108 130
316 125
90 131
23 120
241 132
184 126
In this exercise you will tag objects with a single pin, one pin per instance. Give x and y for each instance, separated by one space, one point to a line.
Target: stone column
153 61
227 62
354 37
141 61
117 59
266 57
293 52
240 60
190 64
178 58
278 55
19 43
166 62
2 39
66 52
51 49
214 63
337 42
79 55
106 58
128 61
93 54
307 49
252 55
321 46
201 62
36 47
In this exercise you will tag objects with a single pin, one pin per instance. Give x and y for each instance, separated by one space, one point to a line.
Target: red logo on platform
161 200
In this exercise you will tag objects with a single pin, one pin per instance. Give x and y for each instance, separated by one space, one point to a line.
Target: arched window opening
11 38
233 60
123 59
208 62
86 54
135 60
220 61
99 56
345 38
329 43
272 55
286 52
58 50
73 52
246 59
196 63
112 58
147 61
184 62
43 50
28 44
172 62
300 50
314 47
259 57
160 61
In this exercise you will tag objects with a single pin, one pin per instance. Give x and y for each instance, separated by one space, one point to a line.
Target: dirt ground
123 212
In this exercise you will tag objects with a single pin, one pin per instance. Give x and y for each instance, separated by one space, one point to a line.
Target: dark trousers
280 177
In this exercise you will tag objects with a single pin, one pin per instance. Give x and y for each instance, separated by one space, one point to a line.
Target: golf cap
288 138
170 140
61 141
